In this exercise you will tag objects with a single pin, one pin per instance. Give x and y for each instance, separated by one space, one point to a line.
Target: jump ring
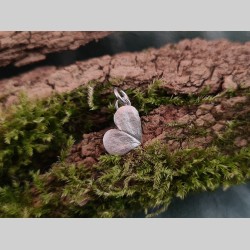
124 98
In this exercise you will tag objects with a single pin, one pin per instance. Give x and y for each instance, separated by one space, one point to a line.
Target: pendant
128 134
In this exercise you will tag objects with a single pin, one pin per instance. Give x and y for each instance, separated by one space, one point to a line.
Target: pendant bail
124 100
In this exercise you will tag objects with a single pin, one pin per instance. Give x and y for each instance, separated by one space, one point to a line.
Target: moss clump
35 133
120 186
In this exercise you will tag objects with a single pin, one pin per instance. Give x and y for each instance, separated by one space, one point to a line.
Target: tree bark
196 126
217 121
188 67
21 48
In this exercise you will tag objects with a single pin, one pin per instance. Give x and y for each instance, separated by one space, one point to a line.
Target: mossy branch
115 186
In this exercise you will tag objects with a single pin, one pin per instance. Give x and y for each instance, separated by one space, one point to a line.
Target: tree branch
21 48
189 67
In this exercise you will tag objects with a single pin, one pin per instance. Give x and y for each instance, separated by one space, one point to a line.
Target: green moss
121 186
34 133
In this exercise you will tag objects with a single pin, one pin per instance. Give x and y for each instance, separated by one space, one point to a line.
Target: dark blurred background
232 203
137 41
122 41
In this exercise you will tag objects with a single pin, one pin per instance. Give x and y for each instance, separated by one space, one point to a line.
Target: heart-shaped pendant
128 134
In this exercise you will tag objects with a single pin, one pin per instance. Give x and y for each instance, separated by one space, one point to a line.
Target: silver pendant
128 134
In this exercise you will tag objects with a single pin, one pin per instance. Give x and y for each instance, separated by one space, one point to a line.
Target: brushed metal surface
127 119
117 142
129 133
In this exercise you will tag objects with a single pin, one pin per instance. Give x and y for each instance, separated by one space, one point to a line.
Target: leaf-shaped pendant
128 134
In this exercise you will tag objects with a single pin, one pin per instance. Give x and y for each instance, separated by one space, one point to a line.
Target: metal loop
124 100
116 104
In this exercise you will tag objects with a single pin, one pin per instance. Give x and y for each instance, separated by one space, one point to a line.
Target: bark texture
21 48
197 127
187 67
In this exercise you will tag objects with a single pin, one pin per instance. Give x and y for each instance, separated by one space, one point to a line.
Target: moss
119 187
34 134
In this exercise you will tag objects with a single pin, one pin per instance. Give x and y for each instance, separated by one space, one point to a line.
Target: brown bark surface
21 48
186 67
210 118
